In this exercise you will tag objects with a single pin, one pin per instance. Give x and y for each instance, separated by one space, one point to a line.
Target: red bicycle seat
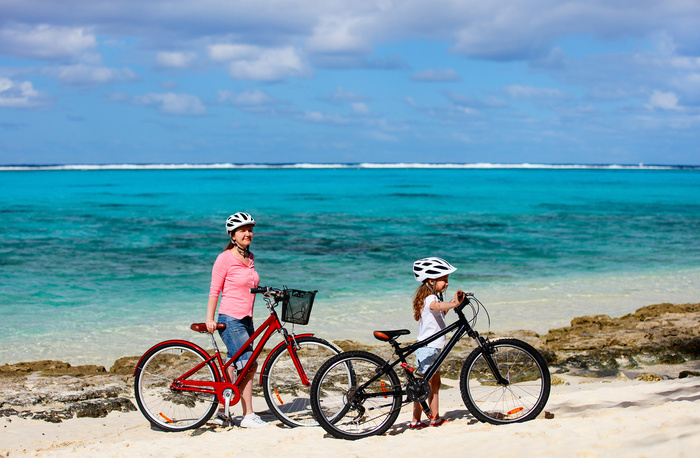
202 327
386 336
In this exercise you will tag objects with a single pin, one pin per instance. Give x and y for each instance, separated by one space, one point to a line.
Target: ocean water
102 262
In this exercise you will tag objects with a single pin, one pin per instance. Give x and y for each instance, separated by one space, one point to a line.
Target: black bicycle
357 394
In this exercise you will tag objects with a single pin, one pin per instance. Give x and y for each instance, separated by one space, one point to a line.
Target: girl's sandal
417 425
440 421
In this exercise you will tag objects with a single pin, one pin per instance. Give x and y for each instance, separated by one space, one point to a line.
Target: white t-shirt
431 321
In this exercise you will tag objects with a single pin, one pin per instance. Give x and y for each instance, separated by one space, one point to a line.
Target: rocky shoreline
656 342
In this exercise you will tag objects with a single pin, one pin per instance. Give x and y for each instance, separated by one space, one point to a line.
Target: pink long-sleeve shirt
232 278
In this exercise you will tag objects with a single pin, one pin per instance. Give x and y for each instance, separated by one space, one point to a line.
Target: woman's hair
422 292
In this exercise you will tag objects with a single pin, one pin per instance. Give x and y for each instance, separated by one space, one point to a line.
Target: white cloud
340 34
475 28
18 94
341 96
45 41
247 98
384 137
663 100
228 52
88 75
257 63
359 108
173 59
173 104
318 117
534 92
270 65
436 75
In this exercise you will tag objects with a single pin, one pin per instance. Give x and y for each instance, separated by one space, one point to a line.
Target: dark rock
125 366
670 358
686 374
99 408
8 412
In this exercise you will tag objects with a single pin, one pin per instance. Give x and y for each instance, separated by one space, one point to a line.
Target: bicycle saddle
386 336
202 327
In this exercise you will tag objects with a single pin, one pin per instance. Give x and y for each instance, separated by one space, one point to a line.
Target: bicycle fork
488 353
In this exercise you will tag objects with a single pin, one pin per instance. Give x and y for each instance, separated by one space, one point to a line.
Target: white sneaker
253 421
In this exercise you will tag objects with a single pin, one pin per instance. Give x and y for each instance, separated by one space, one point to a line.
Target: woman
232 277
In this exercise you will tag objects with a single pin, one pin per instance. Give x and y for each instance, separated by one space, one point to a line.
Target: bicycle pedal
221 420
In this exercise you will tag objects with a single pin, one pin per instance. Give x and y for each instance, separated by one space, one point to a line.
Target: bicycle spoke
522 398
347 404
286 396
173 409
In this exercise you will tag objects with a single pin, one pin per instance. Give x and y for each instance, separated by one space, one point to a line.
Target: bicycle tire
347 411
522 399
288 399
165 408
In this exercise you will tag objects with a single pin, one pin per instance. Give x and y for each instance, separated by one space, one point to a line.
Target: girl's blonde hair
422 292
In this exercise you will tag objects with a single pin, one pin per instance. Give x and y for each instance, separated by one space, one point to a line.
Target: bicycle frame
227 392
461 327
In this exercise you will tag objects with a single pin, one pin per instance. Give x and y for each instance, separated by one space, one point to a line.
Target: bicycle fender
195 346
272 352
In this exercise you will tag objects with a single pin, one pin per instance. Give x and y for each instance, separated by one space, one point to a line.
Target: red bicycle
178 385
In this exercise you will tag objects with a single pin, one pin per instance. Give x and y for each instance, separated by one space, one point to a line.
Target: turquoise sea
102 262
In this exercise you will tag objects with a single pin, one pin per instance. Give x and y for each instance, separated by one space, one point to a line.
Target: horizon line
349 165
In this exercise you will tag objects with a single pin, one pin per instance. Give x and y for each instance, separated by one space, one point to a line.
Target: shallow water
97 264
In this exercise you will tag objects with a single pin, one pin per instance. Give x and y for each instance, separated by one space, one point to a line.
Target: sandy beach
627 386
600 418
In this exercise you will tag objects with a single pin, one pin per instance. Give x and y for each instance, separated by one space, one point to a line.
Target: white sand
619 418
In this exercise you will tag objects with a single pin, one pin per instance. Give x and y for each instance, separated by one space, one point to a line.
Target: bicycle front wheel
355 395
286 396
166 407
524 395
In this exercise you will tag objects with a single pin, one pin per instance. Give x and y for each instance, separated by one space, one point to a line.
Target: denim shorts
425 357
235 335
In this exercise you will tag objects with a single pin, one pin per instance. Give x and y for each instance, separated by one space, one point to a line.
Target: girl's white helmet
237 220
433 267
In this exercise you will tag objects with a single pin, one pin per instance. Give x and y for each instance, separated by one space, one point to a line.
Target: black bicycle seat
386 336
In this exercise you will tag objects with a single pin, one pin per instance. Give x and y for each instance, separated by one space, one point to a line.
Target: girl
429 311
232 276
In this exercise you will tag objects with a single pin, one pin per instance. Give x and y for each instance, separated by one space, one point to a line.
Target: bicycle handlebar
264 289
464 299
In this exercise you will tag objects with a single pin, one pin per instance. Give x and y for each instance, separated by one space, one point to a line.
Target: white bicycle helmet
237 220
432 268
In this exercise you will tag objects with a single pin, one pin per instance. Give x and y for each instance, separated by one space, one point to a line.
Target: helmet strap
245 252
431 287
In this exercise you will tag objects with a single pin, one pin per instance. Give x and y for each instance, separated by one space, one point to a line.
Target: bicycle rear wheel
521 399
286 396
167 408
351 395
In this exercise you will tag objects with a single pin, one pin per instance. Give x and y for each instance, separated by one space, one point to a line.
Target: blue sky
269 81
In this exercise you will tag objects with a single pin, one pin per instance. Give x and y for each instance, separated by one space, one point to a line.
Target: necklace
245 252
